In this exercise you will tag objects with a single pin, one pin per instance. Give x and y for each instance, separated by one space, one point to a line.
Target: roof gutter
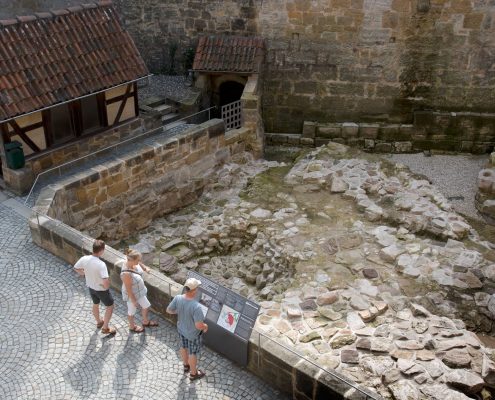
225 72
75 98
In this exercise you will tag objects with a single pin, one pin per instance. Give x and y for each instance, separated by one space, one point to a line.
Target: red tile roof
53 57
229 54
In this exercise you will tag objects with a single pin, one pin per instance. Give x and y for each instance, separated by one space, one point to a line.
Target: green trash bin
14 155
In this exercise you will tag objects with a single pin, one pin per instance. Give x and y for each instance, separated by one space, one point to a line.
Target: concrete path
50 349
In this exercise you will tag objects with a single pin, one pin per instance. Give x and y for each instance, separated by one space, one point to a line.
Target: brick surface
50 349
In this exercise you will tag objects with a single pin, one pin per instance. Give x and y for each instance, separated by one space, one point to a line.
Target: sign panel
230 318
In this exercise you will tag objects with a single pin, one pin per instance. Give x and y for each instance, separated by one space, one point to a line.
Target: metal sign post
230 318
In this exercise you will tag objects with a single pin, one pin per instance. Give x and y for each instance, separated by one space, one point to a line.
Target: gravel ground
171 86
454 175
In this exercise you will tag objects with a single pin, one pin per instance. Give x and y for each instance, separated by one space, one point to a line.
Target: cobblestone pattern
455 176
50 349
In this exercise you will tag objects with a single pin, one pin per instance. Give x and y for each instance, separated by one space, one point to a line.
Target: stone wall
21 180
251 115
485 197
357 60
267 359
345 60
116 198
459 132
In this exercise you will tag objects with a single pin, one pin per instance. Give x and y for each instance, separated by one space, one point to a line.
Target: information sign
230 318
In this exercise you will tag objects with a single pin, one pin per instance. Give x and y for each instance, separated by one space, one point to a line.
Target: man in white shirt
96 273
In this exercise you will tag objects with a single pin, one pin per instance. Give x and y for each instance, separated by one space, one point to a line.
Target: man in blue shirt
190 325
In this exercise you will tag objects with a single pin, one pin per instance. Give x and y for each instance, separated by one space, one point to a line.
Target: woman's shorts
143 302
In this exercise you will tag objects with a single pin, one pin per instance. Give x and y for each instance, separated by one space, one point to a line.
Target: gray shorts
101 295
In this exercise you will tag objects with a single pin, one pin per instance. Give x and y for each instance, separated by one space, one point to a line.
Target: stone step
168 118
173 125
164 109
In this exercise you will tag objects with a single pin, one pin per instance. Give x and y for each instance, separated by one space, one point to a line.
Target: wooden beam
117 98
102 109
47 125
122 105
136 102
76 116
18 131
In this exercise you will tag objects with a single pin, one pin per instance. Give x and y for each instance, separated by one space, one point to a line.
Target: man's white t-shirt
95 271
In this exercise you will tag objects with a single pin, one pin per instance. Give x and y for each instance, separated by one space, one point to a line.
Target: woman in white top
134 290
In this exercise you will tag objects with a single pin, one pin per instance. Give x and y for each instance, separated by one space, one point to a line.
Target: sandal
187 368
198 375
151 324
137 329
99 325
108 331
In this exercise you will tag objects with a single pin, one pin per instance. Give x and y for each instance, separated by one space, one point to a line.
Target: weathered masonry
338 61
120 196
341 61
68 79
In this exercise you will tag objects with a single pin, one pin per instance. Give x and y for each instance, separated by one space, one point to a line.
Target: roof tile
229 54
56 56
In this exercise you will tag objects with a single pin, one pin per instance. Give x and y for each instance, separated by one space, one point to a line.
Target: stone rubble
355 262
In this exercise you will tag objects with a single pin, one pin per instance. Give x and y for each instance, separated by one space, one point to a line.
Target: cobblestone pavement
50 349
455 176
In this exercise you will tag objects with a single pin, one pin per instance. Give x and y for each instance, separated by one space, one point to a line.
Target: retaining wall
458 132
21 180
116 198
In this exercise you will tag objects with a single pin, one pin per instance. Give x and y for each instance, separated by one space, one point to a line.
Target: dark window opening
62 129
90 115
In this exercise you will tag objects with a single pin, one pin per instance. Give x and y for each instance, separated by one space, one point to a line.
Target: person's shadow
127 364
85 375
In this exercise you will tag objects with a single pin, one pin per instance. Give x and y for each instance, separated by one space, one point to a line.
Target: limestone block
369 144
383 147
404 390
349 356
457 358
402 147
309 129
466 381
389 132
486 180
350 129
329 131
307 141
368 131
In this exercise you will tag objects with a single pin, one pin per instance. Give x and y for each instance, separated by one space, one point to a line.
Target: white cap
192 283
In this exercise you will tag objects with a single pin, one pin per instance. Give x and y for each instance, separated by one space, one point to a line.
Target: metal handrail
349 383
150 132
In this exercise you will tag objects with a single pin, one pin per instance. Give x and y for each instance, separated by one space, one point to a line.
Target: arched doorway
229 92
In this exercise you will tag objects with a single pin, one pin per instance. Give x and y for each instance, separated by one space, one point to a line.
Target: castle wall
335 60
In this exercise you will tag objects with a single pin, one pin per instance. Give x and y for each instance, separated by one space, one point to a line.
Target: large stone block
350 129
368 131
486 180
329 131
309 129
